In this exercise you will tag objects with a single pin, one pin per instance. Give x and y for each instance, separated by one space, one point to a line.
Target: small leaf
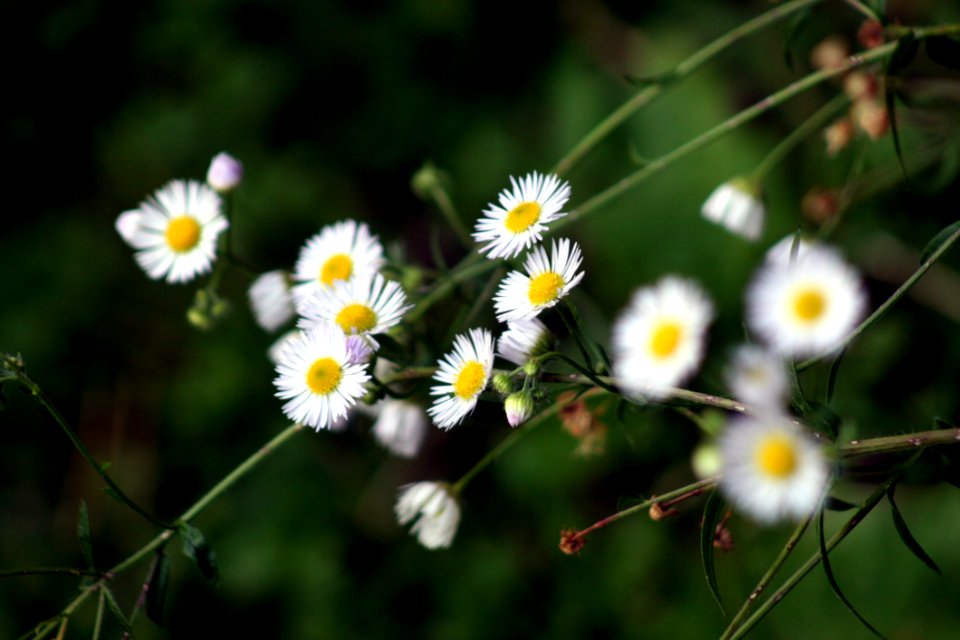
832 374
828 571
944 51
836 504
83 532
906 536
795 26
196 548
903 55
117 612
712 512
157 586
938 241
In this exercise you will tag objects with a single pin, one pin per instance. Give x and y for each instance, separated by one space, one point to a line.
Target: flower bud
860 85
820 205
503 383
225 172
736 205
870 34
519 407
425 180
829 54
871 117
838 135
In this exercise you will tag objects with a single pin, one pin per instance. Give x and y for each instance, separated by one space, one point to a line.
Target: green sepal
712 512
157 586
196 548
117 612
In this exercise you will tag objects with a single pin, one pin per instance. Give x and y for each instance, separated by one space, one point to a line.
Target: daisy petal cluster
434 511
547 280
317 379
658 340
524 339
364 305
805 306
341 251
462 375
773 470
522 215
271 300
175 230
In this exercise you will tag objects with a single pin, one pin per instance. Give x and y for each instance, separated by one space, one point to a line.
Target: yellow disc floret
776 457
809 305
665 339
183 233
356 318
545 288
470 381
522 216
324 376
337 267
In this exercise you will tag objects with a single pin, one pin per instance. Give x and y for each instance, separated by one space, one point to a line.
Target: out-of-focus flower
225 173
271 300
737 205
434 511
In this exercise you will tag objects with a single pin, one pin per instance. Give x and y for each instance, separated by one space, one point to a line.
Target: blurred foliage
332 106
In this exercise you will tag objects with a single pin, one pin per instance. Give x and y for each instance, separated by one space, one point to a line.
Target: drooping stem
682 70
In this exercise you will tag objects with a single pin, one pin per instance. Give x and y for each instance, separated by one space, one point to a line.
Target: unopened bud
518 407
706 461
871 117
225 172
503 383
838 135
860 85
425 180
570 542
830 54
870 34
819 205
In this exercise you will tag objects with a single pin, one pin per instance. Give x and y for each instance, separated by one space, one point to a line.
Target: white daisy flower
737 206
365 305
317 379
435 509
808 306
523 214
522 297
758 377
524 339
271 300
400 426
463 375
175 230
225 172
341 251
772 469
658 340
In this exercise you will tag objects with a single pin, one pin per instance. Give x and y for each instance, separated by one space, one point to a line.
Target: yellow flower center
337 267
776 456
356 318
522 216
809 305
183 233
545 288
470 380
665 339
324 376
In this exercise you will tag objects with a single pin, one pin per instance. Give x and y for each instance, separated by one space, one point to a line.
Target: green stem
767 578
50 571
682 70
936 255
473 265
98 623
576 330
869 13
904 442
439 195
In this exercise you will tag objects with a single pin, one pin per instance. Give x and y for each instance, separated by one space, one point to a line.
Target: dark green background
332 107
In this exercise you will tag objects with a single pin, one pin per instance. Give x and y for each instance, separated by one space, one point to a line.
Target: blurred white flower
434 511
737 205
225 172
271 300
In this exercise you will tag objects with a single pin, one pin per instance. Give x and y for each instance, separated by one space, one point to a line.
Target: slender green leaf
157 586
712 512
196 548
944 51
83 532
822 418
832 375
836 504
117 612
906 536
828 571
642 82
795 26
938 241
902 56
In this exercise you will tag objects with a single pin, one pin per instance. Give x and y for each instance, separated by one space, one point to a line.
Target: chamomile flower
175 230
463 374
737 205
524 296
271 300
341 251
808 306
522 215
658 340
758 377
316 378
772 469
524 339
400 426
365 305
434 511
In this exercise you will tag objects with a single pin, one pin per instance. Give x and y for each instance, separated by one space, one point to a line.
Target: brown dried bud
870 34
871 117
860 85
838 135
657 512
819 205
583 424
570 544
830 54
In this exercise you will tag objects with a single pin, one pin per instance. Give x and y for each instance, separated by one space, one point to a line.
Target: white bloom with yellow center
340 252
658 340
363 306
271 300
548 279
175 230
400 426
807 306
434 509
737 205
772 468
317 379
758 377
523 340
522 215
463 374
